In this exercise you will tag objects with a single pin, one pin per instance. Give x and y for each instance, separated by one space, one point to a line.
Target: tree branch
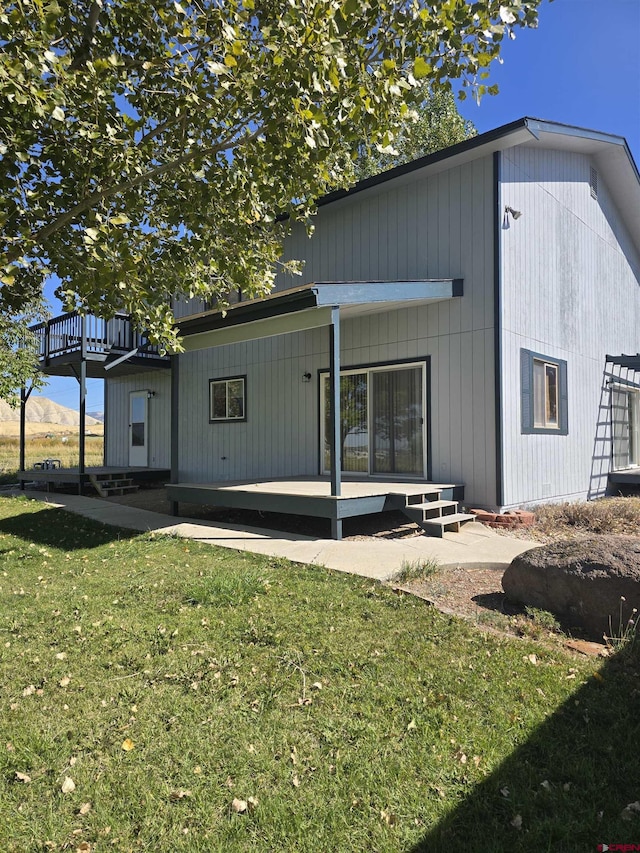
83 54
94 198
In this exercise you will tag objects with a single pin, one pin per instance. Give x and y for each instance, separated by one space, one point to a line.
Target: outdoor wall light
150 394
306 377
516 214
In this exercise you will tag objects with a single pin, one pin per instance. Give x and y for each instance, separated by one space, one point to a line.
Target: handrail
64 335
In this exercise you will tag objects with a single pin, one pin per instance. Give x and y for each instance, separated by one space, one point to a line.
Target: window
543 394
625 426
227 399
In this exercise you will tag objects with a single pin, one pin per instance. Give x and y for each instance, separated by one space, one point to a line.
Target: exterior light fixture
516 214
306 377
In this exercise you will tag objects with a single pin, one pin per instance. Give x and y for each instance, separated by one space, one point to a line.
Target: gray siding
435 227
159 412
570 291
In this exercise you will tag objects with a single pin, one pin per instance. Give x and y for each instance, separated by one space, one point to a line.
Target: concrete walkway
381 559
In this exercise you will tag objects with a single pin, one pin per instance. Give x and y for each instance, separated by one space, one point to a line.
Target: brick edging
510 518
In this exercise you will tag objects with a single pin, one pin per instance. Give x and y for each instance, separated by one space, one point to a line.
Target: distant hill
44 411
99 416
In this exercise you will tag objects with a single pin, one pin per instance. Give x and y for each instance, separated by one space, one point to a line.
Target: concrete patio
474 546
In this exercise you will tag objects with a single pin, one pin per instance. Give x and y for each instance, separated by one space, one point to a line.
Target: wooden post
83 399
335 449
175 445
24 396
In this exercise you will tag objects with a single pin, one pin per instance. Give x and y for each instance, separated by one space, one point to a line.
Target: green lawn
167 679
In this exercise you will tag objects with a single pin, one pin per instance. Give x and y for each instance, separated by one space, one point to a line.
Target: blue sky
580 67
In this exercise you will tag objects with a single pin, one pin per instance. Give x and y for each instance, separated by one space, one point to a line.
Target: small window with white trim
543 394
228 399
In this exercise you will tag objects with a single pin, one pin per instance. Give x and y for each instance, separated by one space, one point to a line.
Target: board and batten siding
571 291
117 392
436 226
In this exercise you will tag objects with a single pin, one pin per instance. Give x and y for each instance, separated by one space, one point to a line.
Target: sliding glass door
382 420
397 434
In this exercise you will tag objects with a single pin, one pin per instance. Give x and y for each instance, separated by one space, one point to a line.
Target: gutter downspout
497 323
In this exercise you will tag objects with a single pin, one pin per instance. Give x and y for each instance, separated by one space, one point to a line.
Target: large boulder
592 583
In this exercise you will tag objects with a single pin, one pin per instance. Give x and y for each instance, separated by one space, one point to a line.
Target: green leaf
350 7
421 68
120 219
58 114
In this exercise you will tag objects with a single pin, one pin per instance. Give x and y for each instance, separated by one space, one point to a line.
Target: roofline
318 295
535 126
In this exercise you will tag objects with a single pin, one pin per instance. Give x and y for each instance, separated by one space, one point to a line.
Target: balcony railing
88 335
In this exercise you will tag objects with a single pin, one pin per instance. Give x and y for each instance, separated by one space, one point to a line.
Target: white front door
138 429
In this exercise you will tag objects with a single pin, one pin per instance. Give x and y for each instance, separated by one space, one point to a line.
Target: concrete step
446 523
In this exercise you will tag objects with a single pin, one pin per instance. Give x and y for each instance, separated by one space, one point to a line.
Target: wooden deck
311 496
625 481
53 477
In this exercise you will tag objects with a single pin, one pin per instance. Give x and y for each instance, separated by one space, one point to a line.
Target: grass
167 678
623 634
37 449
416 570
533 623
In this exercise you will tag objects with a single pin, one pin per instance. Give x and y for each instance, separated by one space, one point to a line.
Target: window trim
227 380
527 397
424 363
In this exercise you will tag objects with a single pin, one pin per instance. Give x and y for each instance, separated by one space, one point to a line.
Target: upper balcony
65 341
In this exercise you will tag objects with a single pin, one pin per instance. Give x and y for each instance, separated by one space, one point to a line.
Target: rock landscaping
592 583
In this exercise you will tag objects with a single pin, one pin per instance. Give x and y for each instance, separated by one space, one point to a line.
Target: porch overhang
310 307
630 362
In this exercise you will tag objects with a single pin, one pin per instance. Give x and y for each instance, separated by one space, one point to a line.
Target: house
469 319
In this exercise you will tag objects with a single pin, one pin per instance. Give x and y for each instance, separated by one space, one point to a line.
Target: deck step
431 509
430 495
446 523
108 487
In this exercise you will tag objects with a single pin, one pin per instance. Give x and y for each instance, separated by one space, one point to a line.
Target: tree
158 150
18 354
433 125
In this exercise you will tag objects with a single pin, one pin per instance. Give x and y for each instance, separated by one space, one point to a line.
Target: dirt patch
469 592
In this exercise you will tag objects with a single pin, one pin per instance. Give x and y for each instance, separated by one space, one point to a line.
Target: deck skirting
310 497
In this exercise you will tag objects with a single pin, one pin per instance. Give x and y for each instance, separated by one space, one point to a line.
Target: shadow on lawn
60 529
569 782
